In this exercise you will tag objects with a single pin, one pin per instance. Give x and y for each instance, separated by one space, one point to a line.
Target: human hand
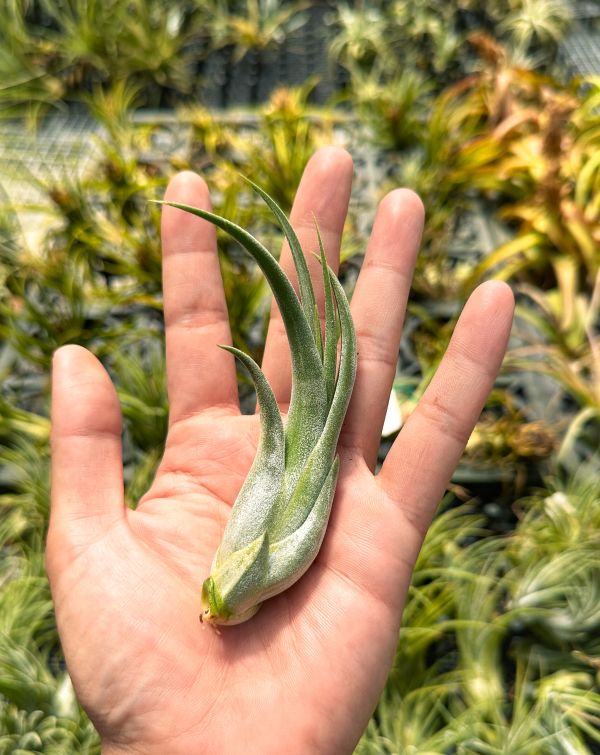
303 675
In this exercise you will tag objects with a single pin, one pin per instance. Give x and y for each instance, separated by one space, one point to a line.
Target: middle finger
378 307
323 193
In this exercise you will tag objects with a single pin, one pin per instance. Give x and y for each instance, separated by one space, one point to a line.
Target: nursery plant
548 174
501 654
556 331
275 147
253 24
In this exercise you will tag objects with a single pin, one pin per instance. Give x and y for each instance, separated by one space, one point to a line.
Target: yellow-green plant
29 85
523 148
360 35
451 154
146 41
252 24
393 101
278 521
549 177
289 133
24 476
536 21
564 346
275 149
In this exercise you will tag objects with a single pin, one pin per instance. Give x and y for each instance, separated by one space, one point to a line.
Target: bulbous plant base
213 610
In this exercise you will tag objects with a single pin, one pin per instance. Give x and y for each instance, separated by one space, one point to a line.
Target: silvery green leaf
278 521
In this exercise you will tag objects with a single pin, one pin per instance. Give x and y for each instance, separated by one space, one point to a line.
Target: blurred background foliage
477 107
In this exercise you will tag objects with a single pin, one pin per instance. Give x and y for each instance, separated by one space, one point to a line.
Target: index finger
200 375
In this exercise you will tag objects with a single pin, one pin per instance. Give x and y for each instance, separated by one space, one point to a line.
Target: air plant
278 521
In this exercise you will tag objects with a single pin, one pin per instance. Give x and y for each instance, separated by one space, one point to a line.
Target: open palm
303 675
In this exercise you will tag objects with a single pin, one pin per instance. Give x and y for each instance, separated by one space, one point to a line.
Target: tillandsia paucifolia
278 520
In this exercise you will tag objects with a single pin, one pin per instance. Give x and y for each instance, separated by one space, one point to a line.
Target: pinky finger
427 450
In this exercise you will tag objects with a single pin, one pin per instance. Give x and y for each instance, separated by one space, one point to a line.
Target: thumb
87 474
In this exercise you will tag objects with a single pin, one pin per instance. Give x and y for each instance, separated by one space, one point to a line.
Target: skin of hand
304 675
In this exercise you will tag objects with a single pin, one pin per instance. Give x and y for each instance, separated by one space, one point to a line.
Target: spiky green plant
253 24
278 521
537 21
